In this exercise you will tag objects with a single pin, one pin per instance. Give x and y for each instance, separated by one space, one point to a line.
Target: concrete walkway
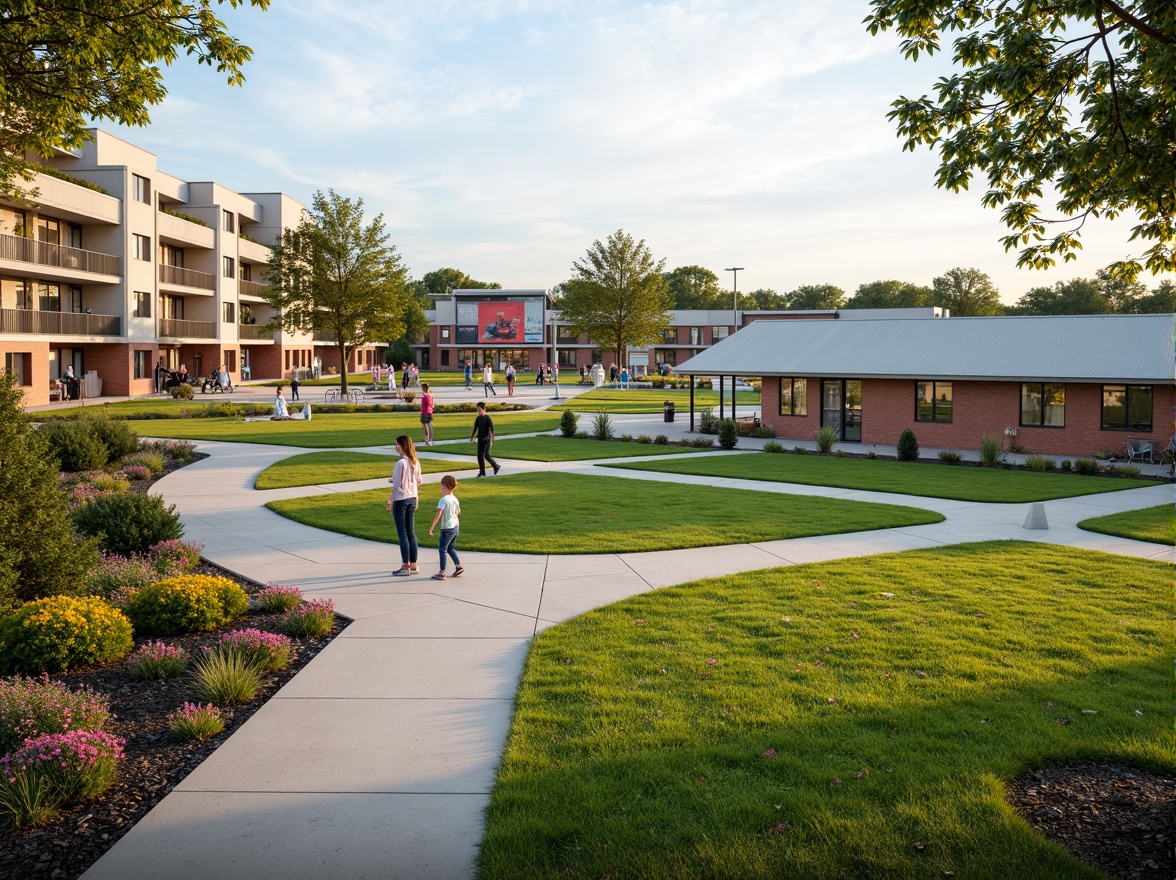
376 761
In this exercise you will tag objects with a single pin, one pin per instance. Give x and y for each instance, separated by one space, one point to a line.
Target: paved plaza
377 760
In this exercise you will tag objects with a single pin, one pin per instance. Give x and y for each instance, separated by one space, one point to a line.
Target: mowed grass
570 513
322 468
904 478
1155 524
568 449
344 429
849 719
650 400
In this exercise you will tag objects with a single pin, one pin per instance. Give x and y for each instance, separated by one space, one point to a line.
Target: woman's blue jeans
447 544
404 513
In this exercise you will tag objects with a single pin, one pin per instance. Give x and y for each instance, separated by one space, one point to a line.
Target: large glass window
140 189
141 247
933 401
227 267
24 294
445 334
1127 408
142 365
171 256
793 397
230 310
228 221
142 304
49 297
1043 405
17 363
718 333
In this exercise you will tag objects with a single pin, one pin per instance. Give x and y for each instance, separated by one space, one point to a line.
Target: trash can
668 410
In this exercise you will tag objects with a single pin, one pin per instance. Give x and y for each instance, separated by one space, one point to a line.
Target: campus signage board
499 322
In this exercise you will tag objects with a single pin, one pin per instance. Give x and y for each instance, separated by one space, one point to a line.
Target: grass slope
1155 524
323 468
568 449
649 400
904 478
570 513
801 722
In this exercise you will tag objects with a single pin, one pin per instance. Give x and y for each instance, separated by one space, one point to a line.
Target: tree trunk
343 364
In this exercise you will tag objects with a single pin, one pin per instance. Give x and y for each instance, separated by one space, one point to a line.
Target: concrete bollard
1035 518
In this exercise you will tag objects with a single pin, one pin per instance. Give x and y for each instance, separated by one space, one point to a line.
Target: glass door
841 408
853 411
831 405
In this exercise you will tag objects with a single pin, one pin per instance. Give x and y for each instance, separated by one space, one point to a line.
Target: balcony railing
59 323
254 331
186 277
251 288
325 336
175 328
42 253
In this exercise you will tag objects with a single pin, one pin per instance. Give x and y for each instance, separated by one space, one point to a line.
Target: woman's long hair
405 443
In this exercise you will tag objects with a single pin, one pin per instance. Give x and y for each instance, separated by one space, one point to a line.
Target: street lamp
555 355
734 296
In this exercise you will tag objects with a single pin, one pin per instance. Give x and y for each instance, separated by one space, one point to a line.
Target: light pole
734 296
555 354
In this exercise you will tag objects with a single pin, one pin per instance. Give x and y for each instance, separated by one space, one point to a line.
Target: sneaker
497 468
479 476
439 576
401 573
458 571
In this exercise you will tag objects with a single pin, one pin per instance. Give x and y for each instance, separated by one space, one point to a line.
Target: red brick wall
888 406
115 364
36 354
265 361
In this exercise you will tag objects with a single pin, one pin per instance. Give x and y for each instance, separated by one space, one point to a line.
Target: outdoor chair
1143 450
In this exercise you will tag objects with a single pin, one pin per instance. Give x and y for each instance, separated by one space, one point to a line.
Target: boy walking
469 374
488 381
448 511
484 431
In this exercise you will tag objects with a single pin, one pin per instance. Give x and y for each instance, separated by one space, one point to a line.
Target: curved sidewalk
376 761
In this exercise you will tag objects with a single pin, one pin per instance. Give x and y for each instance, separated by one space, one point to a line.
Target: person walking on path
484 431
406 481
160 377
293 385
469 375
404 376
414 375
510 380
488 381
539 375
448 511
427 414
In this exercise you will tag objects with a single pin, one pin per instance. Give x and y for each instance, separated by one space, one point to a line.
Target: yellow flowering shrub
61 633
188 603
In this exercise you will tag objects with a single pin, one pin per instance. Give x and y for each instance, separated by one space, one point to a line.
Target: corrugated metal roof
1070 347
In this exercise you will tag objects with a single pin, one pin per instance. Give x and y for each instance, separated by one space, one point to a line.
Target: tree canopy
617 294
1101 295
815 296
336 276
890 295
1073 97
693 287
440 282
64 64
967 292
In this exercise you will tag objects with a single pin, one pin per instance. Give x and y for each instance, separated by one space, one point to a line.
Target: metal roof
1080 348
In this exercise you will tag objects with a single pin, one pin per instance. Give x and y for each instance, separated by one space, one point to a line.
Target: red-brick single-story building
1069 385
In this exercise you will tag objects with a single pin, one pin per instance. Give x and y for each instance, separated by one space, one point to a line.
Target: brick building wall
115 365
35 358
265 361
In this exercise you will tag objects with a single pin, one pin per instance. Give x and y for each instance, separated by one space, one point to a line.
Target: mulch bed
1119 819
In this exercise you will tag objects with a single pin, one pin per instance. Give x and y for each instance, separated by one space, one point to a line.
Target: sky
503 137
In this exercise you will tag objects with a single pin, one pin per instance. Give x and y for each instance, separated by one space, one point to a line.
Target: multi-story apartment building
117 264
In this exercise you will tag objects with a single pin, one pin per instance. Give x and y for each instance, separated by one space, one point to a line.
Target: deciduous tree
815 296
332 274
890 295
967 292
693 287
1079 296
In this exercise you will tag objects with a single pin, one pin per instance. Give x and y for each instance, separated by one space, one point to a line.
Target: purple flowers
268 651
274 598
193 721
155 660
30 707
136 471
170 558
311 619
78 749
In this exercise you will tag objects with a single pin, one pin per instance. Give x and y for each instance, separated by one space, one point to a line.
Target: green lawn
904 478
566 449
322 468
1155 524
650 400
432 377
569 513
855 719
344 429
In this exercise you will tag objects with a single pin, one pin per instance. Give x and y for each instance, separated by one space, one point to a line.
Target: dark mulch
1119 819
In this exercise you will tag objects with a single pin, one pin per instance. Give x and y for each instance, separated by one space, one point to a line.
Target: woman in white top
406 481
280 411
488 381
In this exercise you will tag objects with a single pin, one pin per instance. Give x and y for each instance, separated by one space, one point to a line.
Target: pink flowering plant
311 619
31 707
266 650
136 471
174 557
158 660
274 598
116 574
79 765
193 721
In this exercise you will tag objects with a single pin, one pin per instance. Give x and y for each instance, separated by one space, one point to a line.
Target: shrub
173 557
225 679
728 434
104 483
872 455
644 438
266 650
30 707
274 598
1130 471
1040 463
992 452
129 523
179 450
75 445
702 442
773 446
188 603
1111 470
602 426
1067 465
195 722
908 446
116 435
708 423
136 472
764 432
946 456
841 453
311 619
1087 467
27 799
147 458
60 633
118 575
626 438
158 660
825 438
661 439
581 435
799 450
182 391
568 422
55 769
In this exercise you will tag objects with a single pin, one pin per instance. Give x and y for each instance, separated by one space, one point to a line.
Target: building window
142 304
444 334
231 361
1127 408
696 336
141 247
718 333
17 363
140 189
171 256
793 396
932 401
566 357
24 295
230 313
49 297
71 299
142 365
171 307
228 221
1043 405
568 336
445 357
246 271
227 267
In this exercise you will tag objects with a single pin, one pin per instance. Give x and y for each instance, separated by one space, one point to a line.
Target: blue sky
503 137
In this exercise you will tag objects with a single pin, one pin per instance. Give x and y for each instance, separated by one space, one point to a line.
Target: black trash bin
668 410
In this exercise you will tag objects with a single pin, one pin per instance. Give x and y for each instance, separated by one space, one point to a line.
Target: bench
1144 450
